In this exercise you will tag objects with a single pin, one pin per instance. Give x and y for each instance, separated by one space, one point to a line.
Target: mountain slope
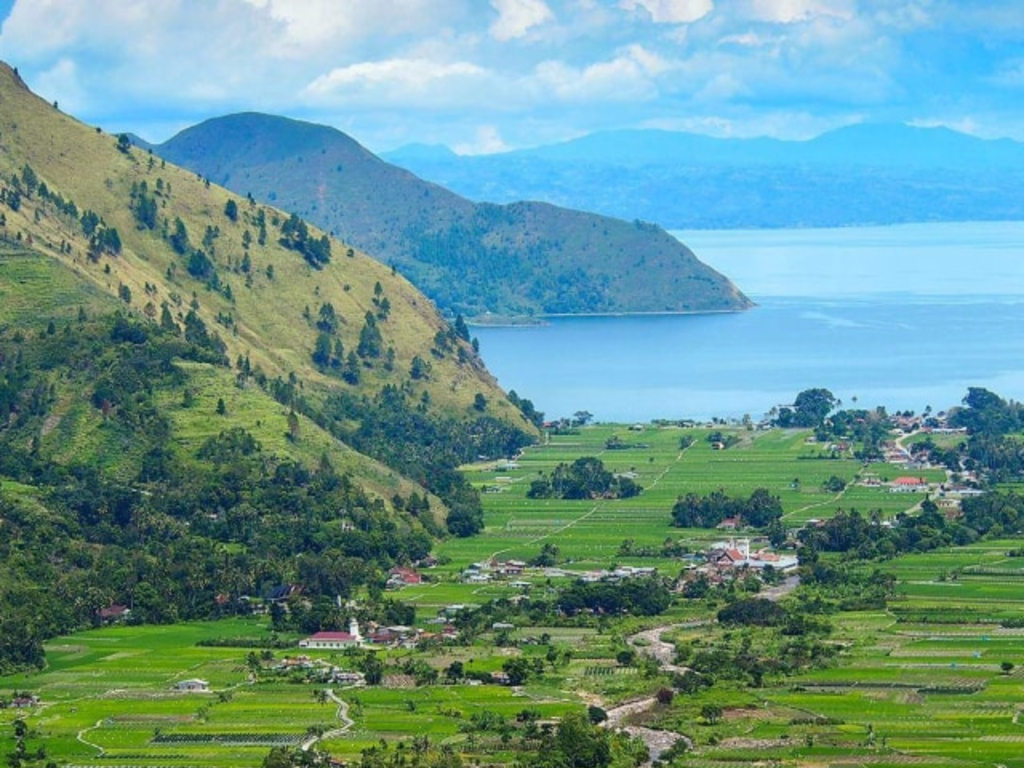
473 259
204 398
310 323
861 174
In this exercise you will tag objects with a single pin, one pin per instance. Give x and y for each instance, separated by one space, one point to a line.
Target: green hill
473 259
202 397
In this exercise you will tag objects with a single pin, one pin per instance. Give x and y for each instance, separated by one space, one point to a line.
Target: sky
490 75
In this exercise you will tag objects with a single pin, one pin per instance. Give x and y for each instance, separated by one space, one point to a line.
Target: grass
35 288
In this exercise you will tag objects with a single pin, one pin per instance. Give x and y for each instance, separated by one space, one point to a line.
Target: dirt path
649 643
342 715
657 742
81 737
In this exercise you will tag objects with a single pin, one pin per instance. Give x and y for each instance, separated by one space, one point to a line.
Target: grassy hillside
516 260
202 397
268 297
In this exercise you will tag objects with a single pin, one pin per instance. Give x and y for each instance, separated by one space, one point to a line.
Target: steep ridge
473 259
313 322
205 399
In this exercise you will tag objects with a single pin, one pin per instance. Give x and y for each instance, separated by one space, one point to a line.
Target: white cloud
416 82
790 11
744 39
383 69
60 83
517 17
487 141
748 124
671 11
625 78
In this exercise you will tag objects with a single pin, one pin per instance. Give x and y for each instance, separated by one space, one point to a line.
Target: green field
922 681
785 462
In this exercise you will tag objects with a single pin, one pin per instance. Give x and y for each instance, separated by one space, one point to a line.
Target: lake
905 316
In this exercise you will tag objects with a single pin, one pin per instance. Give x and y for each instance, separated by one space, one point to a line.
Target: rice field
923 682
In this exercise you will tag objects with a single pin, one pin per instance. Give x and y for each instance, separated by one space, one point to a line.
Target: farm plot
590 531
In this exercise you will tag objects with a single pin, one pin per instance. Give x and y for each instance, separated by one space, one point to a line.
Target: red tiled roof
908 481
332 636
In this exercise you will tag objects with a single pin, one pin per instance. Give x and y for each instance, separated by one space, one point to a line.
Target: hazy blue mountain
861 174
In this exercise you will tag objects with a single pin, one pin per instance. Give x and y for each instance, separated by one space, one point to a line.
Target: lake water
904 316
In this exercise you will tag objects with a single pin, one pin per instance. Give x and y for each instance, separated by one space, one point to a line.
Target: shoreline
541 320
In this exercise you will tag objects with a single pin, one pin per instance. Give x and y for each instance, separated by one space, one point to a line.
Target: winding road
346 723
649 643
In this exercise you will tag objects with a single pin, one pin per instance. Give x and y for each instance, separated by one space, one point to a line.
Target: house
907 484
347 678
281 593
401 576
113 613
726 558
509 567
333 641
330 641
195 685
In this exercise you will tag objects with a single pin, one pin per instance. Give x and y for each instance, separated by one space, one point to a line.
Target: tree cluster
295 236
760 510
585 478
810 409
174 529
636 597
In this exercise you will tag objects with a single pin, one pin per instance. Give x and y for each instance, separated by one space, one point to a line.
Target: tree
222 409
580 744
419 369
373 669
480 402
1006 667
812 406
455 671
322 350
582 418
711 713
179 238
124 143
327 318
518 670
370 339
231 210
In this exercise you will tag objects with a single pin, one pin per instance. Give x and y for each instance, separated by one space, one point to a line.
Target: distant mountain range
861 174
521 259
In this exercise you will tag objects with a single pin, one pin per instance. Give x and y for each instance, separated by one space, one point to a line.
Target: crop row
230 739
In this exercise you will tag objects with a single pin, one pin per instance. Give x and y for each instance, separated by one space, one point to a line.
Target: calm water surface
905 317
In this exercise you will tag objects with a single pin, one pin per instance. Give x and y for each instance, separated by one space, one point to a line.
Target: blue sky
487 75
